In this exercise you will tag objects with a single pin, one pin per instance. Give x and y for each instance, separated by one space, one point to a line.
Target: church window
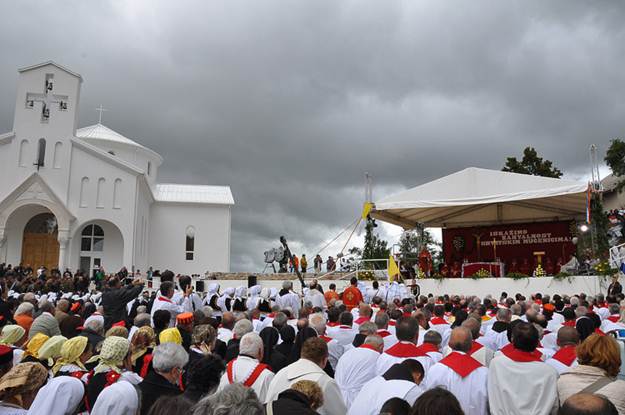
99 203
23 153
149 168
116 196
84 183
92 239
41 153
57 155
190 243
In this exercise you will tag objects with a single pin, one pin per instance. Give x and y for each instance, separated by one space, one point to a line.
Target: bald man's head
473 326
588 404
568 336
228 320
461 339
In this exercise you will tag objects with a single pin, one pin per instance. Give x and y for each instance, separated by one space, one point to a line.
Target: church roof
189 193
101 132
42 64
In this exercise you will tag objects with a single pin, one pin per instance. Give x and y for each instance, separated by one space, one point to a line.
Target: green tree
532 164
375 248
615 159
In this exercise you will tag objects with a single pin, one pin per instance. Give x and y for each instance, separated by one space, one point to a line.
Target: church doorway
91 248
40 244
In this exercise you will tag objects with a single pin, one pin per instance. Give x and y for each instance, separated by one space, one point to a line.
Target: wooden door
40 249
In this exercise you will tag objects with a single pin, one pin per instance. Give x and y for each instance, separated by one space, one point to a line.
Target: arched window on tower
84 183
116 195
23 153
149 168
190 243
41 153
99 203
58 147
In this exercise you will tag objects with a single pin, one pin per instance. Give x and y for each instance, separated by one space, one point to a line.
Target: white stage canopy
481 197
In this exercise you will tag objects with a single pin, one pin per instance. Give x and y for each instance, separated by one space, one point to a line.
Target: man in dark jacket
163 379
115 299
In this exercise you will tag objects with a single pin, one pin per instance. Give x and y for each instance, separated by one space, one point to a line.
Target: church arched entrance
40 244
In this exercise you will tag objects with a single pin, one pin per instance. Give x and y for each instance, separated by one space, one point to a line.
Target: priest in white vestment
164 302
344 333
381 321
357 367
314 357
407 331
402 380
519 382
318 323
461 374
287 298
565 358
478 351
439 324
246 369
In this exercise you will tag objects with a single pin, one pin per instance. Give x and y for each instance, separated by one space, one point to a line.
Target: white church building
89 198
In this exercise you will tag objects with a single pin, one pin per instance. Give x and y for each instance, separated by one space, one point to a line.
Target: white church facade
88 198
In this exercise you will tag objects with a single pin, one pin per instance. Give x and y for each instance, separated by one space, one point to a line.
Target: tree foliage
615 159
412 243
375 248
532 164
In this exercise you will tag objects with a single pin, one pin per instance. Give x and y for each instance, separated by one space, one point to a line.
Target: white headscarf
221 302
240 292
252 299
120 399
60 396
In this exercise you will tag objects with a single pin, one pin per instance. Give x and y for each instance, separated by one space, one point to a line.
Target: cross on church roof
100 110
47 99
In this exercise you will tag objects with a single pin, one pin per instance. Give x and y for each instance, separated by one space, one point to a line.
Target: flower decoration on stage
539 271
366 275
420 274
604 268
482 273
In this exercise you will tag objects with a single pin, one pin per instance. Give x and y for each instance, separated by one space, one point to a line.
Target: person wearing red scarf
519 382
565 358
461 374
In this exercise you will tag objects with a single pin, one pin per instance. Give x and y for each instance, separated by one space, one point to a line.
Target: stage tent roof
481 197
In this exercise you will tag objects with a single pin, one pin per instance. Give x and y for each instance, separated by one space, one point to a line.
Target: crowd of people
365 350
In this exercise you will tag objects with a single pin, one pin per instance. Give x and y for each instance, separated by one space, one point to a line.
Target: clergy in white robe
381 321
478 351
462 375
374 291
344 333
565 358
164 302
335 350
357 367
246 369
407 333
364 315
315 297
519 382
402 380
314 356
439 324
224 332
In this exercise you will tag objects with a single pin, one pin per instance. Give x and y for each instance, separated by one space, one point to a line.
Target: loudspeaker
252 280
199 286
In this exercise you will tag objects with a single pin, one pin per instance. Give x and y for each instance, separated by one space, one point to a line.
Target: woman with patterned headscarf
112 360
31 354
19 387
51 350
202 341
13 336
142 344
74 354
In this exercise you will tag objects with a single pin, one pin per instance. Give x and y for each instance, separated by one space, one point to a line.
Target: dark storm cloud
291 102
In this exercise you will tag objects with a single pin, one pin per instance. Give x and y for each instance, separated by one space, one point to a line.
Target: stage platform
590 285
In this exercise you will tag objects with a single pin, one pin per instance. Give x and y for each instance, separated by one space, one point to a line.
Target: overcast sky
290 102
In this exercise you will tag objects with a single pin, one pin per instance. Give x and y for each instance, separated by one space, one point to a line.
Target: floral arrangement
482 273
420 274
604 268
366 275
539 271
517 275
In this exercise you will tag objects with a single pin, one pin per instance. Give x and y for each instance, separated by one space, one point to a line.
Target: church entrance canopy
479 197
